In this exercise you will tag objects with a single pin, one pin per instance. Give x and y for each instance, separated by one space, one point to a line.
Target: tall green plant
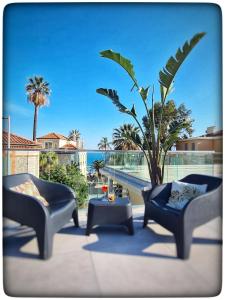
154 148
177 124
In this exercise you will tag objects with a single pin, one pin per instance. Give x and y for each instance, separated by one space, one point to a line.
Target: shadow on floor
15 237
115 240
12 246
110 239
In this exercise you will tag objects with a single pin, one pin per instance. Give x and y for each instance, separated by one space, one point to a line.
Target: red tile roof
53 135
69 146
18 142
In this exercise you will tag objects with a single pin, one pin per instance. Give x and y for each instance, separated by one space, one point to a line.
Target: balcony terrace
110 262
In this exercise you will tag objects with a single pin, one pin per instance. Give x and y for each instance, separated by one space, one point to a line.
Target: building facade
52 141
22 157
67 150
211 141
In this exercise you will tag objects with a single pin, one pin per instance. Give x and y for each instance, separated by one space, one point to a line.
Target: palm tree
97 165
123 137
37 93
104 144
74 135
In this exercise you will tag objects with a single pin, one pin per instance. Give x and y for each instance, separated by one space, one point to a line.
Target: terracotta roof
69 146
18 142
53 135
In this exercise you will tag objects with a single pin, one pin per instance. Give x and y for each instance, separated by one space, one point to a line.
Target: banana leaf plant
154 150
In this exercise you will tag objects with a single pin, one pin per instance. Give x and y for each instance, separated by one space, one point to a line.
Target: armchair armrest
161 192
53 191
204 207
23 208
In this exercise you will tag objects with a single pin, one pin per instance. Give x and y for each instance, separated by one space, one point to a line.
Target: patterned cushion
29 188
182 192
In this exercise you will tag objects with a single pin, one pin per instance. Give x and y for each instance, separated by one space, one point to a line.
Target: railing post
8 146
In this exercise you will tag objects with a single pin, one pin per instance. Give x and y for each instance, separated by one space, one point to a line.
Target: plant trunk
155 174
163 164
35 122
99 174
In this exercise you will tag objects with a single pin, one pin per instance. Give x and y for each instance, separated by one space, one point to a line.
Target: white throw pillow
182 192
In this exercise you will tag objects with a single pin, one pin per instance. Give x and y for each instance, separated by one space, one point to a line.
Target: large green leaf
133 111
168 73
112 94
122 61
144 93
173 134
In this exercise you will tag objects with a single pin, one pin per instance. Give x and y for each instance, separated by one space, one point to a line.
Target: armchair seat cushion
164 215
159 201
162 206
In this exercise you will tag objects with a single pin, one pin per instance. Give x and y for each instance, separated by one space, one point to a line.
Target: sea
92 156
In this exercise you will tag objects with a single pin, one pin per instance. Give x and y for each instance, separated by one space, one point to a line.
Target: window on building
193 146
48 145
186 146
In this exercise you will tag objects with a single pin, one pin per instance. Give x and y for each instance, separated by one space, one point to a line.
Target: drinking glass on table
111 197
111 194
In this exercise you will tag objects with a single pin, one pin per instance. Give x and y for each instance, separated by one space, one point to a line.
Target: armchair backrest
16 179
211 181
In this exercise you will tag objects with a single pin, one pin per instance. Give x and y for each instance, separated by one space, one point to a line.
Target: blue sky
62 42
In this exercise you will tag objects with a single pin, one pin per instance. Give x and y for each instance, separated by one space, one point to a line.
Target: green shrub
69 175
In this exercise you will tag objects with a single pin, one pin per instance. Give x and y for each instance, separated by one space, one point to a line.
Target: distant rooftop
69 146
212 134
18 142
53 135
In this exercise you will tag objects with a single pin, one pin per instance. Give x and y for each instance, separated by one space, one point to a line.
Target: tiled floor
110 262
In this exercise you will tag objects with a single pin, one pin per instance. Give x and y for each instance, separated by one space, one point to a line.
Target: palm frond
123 137
136 139
38 90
